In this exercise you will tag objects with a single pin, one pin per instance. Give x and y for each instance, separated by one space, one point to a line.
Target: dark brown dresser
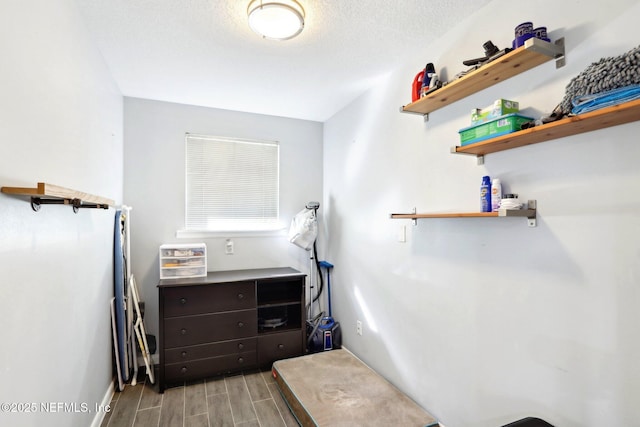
229 321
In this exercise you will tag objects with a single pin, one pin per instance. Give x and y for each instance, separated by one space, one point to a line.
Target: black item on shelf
529 422
527 125
272 323
556 114
491 52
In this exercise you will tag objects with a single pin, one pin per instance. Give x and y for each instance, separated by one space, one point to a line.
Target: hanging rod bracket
37 202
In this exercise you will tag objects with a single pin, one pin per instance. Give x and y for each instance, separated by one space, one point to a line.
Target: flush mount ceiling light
278 20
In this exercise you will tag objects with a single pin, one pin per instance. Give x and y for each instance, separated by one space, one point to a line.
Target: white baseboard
106 400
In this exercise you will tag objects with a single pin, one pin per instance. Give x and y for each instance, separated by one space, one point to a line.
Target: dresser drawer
205 328
203 351
188 300
278 346
203 368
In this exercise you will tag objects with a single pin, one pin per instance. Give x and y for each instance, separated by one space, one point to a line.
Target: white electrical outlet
358 327
228 247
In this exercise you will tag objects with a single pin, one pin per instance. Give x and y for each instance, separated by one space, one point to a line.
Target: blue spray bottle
485 194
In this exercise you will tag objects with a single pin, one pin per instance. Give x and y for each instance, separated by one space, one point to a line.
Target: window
231 184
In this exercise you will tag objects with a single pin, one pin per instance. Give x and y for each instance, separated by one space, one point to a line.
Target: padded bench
335 388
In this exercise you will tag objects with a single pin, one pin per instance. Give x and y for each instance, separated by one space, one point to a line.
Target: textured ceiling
202 52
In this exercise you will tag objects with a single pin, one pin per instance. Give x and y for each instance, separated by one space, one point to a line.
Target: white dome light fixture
277 20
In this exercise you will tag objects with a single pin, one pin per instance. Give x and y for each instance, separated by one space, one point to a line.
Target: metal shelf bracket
530 213
553 50
560 58
425 116
479 157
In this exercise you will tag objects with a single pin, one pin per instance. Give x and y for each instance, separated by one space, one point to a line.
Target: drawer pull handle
183 331
280 346
183 301
183 354
240 360
240 346
240 324
240 296
183 369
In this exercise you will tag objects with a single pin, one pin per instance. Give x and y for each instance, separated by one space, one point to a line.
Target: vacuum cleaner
323 332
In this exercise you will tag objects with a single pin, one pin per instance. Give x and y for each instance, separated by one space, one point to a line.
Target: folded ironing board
334 388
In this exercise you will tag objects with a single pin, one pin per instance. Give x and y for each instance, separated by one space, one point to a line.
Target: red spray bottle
421 82
417 86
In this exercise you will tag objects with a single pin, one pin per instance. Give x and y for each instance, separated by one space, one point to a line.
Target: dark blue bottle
485 194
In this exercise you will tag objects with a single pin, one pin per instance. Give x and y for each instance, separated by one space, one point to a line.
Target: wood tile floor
250 399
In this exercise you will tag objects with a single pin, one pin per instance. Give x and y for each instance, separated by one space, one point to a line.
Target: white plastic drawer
183 260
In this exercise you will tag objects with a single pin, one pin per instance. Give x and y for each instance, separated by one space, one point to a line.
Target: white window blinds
231 184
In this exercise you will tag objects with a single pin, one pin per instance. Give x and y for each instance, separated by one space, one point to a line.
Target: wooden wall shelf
533 53
443 215
586 122
530 213
49 194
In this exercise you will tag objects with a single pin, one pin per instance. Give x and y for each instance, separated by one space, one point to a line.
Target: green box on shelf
500 126
499 108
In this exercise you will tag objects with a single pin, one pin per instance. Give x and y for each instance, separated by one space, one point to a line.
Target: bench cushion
335 388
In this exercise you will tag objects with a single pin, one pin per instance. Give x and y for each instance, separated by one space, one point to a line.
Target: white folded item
510 204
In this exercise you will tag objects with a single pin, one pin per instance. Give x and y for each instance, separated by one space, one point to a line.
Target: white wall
154 176
61 123
485 321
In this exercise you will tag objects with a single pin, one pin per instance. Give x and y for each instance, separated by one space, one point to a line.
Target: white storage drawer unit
183 260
